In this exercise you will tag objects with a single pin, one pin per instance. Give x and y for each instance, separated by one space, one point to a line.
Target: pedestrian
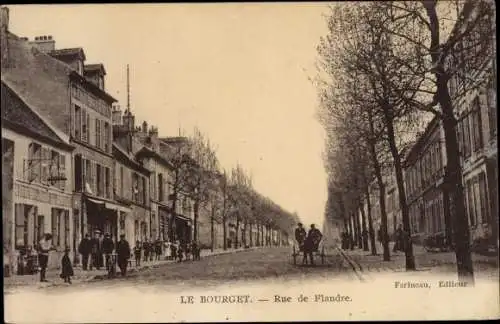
158 248
45 245
145 248
311 243
180 251
123 254
152 249
173 249
137 253
195 250
66 267
95 249
300 236
84 248
108 246
380 237
168 250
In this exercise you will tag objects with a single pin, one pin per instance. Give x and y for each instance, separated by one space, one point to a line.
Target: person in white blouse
45 245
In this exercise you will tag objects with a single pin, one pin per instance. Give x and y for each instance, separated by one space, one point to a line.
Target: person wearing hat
85 248
96 251
45 245
107 247
300 236
311 243
123 253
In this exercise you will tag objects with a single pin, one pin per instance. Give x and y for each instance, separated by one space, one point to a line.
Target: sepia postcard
220 162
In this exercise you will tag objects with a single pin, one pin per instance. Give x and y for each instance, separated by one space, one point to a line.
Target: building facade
36 182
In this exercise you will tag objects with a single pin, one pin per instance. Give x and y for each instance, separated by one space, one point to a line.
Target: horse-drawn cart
298 252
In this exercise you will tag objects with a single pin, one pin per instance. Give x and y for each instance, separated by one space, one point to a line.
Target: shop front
106 217
182 229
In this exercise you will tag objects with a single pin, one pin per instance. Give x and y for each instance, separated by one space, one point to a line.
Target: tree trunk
410 259
237 230
457 207
196 210
171 234
364 229
224 232
351 232
357 228
251 235
212 229
461 224
371 230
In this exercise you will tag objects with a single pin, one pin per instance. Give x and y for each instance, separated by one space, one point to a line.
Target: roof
16 114
147 152
416 149
42 81
122 156
69 52
93 68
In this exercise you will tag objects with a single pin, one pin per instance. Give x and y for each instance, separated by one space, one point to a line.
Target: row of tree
227 197
384 66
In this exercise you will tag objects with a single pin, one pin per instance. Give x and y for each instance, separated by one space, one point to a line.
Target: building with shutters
70 95
36 182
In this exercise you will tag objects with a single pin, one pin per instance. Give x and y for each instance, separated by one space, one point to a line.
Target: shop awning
110 205
184 218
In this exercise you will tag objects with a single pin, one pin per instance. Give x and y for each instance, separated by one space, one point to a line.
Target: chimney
144 127
116 115
4 18
153 138
129 120
44 43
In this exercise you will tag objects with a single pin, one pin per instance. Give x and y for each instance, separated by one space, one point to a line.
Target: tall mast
128 89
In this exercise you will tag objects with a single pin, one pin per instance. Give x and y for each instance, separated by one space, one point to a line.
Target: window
21 225
97 133
107 183
467 137
85 126
40 230
88 175
106 137
491 101
477 125
477 201
144 190
45 165
152 186
77 126
99 180
483 193
161 185
60 227
78 172
471 203
135 187
121 181
33 163
62 171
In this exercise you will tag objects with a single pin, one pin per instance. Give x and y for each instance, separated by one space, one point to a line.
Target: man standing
300 236
108 246
84 248
312 243
43 255
123 252
95 244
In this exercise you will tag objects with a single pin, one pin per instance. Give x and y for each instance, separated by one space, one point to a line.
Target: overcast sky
239 72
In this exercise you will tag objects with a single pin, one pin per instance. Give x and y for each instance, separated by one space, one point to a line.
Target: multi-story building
55 84
427 199
36 181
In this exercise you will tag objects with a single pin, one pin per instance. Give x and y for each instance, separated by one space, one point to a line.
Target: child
67 268
137 253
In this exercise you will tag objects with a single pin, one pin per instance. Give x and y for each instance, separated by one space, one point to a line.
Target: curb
356 267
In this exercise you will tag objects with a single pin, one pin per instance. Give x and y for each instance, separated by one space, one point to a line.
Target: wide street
242 266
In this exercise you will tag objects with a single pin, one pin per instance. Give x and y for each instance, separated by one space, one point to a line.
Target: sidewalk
440 262
84 276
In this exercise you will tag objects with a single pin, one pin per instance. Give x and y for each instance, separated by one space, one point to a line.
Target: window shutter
93 169
54 214
61 172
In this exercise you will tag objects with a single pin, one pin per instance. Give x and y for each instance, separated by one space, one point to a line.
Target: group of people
308 242
401 239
